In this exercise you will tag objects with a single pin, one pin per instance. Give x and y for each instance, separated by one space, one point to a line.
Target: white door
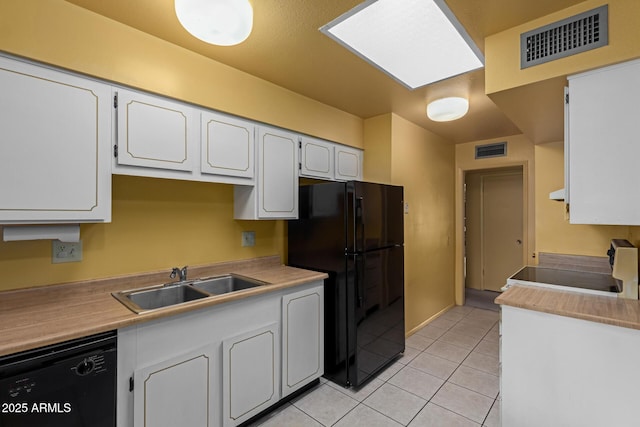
176 392
316 158
55 146
502 228
278 153
250 373
302 338
348 163
155 132
227 146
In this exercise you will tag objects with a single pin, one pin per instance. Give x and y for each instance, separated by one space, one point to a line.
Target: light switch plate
65 251
248 238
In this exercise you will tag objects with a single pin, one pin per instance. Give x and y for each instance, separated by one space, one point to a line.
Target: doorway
494 228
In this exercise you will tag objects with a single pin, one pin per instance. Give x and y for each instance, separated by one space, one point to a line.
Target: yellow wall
423 163
520 152
156 224
554 233
377 136
502 50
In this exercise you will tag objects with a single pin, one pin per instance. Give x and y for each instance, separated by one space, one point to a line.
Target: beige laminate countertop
36 317
610 310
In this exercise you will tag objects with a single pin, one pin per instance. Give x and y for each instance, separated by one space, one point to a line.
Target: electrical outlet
248 238
66 251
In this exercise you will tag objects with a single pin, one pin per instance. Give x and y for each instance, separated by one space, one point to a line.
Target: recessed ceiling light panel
417 42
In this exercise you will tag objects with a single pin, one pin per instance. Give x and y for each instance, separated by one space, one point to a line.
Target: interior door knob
519 242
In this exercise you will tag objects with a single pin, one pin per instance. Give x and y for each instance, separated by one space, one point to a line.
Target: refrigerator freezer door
374 216
317 238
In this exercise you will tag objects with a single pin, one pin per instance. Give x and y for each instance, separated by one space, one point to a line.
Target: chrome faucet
181 273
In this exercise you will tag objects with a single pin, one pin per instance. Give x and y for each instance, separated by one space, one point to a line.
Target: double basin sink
161 296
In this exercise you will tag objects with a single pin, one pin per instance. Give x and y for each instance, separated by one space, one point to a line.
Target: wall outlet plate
248 238
65 251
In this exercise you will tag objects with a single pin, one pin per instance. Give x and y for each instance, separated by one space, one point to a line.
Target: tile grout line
450 375
445 381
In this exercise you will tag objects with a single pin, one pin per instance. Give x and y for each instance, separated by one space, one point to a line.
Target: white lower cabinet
220 365
563 371
176 392
302 346
250 373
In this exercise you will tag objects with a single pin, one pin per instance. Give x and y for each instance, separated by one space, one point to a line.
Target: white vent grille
491 150
579 33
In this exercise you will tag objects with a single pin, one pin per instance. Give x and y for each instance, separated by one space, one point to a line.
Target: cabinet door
316 158
604 147
227 146
54 154
348 163
278 180
250 373
155 132
302 338
176 392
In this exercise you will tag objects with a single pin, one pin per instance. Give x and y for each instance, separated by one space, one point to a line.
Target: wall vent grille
491 150
579 33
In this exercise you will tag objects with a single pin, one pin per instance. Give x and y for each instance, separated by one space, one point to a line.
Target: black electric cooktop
574 279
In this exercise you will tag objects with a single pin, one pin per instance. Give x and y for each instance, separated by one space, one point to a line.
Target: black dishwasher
67 384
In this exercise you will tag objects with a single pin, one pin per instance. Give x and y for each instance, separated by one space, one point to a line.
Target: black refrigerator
354 232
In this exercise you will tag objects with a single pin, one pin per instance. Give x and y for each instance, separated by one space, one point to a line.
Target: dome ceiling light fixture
219 22
447 109
416 42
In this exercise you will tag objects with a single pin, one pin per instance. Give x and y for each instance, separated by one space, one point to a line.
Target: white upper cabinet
348 161
55 149
316 158
154 132
275 195
604 146
227 146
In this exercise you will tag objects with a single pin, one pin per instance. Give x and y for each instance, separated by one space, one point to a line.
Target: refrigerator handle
359 262
360 222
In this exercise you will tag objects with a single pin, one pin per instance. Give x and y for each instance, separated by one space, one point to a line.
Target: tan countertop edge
611 311
35 317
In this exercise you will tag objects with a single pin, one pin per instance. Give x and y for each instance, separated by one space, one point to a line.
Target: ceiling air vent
491 150
579 33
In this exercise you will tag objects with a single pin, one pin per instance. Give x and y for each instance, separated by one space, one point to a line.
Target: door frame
528 246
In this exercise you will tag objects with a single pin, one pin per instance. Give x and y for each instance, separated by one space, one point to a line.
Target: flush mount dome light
447 109
219 22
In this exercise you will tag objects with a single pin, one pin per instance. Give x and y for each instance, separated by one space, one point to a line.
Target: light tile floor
448 376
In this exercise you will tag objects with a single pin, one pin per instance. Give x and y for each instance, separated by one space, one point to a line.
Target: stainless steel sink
226 284
141 300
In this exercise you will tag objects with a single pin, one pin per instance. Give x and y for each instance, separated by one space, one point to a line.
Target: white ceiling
287 49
